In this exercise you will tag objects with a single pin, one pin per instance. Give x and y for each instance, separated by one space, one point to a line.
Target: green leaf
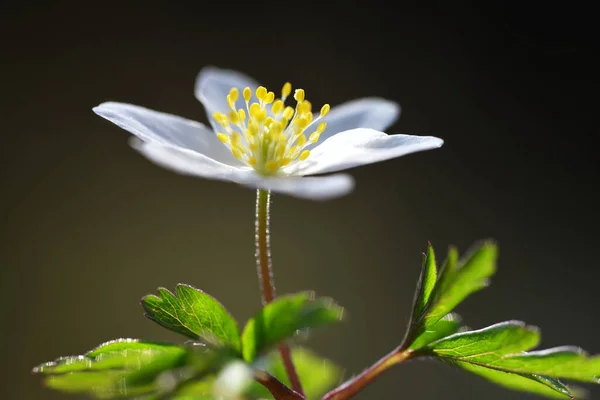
444 327
122 367
427 281
502 349
458 281
194 314
565 362
488 344
532 383
282 318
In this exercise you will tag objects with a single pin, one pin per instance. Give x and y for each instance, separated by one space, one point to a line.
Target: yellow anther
247 93
277 107
299 95
234 93
253 147
223 137
309 117
314 137
269 98
304 107
301 123
262 115
237 153
301 141
254 109
221 118
288 113
285 161
325 110
230 101
286 90
304 155
251 161
280 151
269 121
242 114
261 92
272 166
321 127
234 117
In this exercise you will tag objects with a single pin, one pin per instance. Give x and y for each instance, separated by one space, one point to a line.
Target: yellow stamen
304 155
223 137
321 127
261 92
299 95
247 94
286 90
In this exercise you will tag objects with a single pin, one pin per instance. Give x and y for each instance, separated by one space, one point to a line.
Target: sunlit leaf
427 281
194 314
123 367
488 344
457 281
282 318
532 383
444 327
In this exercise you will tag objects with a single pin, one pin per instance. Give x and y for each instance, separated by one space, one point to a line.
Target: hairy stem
265 275
351 387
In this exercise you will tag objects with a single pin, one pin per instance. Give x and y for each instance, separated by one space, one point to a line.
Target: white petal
359 147
312 188
371 112
189 163
213 85
168 129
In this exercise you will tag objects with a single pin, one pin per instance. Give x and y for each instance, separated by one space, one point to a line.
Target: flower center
266 134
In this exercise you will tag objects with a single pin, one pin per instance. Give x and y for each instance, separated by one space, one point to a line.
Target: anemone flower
258 141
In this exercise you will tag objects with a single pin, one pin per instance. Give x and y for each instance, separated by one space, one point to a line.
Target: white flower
258 141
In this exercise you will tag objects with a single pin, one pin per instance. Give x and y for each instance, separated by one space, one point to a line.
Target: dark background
89 226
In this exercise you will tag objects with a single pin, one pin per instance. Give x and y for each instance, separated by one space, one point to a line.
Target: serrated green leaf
427 281
566 362
488 344
123 367
457 281
531 383
504 347
282 318
194 314
444 327
115 354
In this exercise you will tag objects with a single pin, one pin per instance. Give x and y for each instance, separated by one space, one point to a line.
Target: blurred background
89 226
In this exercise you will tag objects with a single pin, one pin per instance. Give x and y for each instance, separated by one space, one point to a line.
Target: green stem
351 387
265 275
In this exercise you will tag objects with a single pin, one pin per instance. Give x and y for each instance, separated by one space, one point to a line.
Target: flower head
267 135
268 141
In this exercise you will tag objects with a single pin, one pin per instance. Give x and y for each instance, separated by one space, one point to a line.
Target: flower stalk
365 378
265 276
